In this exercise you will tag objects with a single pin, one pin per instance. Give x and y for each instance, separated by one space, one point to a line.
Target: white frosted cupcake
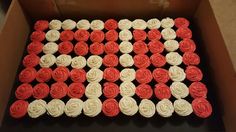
168 34
179 90
78 62
83 24
173 58
68 24
47 60
165 108
171 45
126 60
176 74
94 75
55 107
93 90
128 106
94 61
124 24
167 22
52 35
127 89
74 107
139 24
36 108
125 35
55 24
63 60
50 48
125 47
92 107
147 108
97 25
153 23
127 74
183 107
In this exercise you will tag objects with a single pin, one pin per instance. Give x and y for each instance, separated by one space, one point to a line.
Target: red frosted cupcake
58 90
81 48
141 61
110 60
67 35
19 109
190 58
144 91
65 47
198 90
143 75
111 24
139 35
111 74
44 74
111 47
60 74
184 32
155 46
97 36
96 48
37 36
161 75
110 90
78 75
154 34
35 47
41 90
162 91
201 107
111 35
193 73
158 60
27 75
81 35
140 47
24 91
41 25
76 90
31 60
110 107
181 22
187 45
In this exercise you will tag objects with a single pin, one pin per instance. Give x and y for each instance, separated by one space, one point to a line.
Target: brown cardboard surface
12 37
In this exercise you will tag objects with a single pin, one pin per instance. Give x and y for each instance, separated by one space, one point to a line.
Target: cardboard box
215 21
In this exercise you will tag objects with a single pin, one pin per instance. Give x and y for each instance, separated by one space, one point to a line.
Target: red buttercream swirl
111 24
58 90
81 35
162 91
187 45
111 47
155 46
154 34
35 47
65 47
81 48
110 60
110 90
193 73
198 90
111 35
144 91
158 60
19 109
184 32
181 22
201 107
110 107
76 90
141 61
111 74
41 25
78 75
67 35
60 74
31 60
140 47
160 75
143 75
44 74
190 58
41 90
96 48
27 75
37 36
139 35
24 91
97 36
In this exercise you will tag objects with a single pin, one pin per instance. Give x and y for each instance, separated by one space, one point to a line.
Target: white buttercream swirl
55 24
127 74
55 107
139 24
50 48
94 61
52 35
83 24
168 34
125 47
173 58
147 108
127 88
74 107
97 25
153 23
176 74
92 107
47 60
128 106
68 24
78 62
167 22
171 45
94 75
37 108
124 24
63 60
125 35
183 107
93 90
165 108
179 90
126 60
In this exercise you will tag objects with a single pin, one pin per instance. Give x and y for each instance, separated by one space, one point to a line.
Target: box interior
22 13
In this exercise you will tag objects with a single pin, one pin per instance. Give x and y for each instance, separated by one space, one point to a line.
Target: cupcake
187 45
60 74
76 90
139 24
78 75
181 22
73 107
184 32
127 89
52 35
110 60
81 48
97 25
58 90
37 36
173 58
125 47
111 47
143 75
18 109
165 108
78 62
144 91
140 47
24 91
167 22
147 108
158 60
153 23
63 60
55 24
128 106
155 46
190 58
201 107
55 107
68 24
97 36
41 25
176 74
31 60
67 35
110 90
182 107
179 90
35 47
40 91
111 74
50 48
193 73
126 60
111 35
96 48
94 75
141 61
83 24
65 47
27 75
125 35
198 90
111 24
110 108
171 45
139 35
81 35
162 91
92 107
154 34
168 34
94 61
127 74
37 108
160 75
124 24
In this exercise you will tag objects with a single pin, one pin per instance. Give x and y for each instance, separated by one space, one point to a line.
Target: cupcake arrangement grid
105 67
